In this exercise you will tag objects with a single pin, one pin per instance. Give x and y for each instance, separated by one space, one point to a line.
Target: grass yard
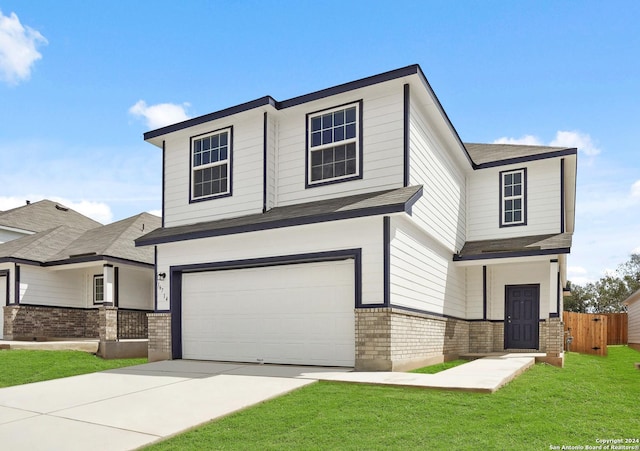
19 366
591 398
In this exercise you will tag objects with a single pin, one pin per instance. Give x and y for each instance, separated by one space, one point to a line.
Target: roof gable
113 240
63 244
491 155
44 215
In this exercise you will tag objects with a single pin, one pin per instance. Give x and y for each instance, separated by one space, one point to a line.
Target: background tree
606 294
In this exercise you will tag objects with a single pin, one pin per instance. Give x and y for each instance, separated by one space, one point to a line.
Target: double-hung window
98 289
334 150
513 197
211 164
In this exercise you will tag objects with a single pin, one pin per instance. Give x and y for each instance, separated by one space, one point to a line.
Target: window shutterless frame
334 145
210 173
513 198
98 289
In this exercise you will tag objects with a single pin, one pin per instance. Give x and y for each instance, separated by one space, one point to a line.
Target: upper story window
211 164
513 191
334 147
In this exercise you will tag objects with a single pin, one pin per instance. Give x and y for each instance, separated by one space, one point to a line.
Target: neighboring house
54 277
38 217
352 227
633 318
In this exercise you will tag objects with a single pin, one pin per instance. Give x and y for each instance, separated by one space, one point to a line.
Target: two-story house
352 227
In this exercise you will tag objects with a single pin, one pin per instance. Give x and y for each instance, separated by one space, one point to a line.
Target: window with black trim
98 289
211 164
513 191
334 144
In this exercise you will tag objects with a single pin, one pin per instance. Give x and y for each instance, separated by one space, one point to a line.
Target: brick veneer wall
389 339
159 336
29 322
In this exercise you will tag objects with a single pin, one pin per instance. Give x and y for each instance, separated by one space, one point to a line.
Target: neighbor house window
513 187
334 144
98 289
211 164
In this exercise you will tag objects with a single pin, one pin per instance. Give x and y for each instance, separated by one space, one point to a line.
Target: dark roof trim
268 100
524 159
445 115
492 255
262 101
289 222
73 260
351 86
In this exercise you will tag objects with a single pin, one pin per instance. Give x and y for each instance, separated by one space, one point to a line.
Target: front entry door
522 310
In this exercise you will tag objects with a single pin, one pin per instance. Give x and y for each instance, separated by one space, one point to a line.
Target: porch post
554 289
109 284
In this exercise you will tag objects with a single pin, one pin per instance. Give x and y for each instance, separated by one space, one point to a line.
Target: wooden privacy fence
592 333
617 328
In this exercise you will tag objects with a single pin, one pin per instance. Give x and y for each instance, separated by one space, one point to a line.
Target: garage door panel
297 314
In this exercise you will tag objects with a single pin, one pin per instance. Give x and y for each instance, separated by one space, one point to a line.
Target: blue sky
81 81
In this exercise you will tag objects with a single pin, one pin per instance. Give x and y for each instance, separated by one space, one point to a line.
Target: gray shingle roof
61 244
114 240
483 154
367 204
508 247
44 215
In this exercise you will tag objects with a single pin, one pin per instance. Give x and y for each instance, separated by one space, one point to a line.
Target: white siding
10 280
442 209
135 288
246 177
423 275
543 201
517 274
364 233
40 286
272 160
474 292
382 111
634 322
9 235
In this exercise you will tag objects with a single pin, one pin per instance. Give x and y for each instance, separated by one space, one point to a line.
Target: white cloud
581 141
159 115
578 270
527 140
18 49
156 213
635 190
98 211
636 250
578 275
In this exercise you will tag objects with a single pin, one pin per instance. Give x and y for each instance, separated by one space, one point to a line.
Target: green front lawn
591 398
19 366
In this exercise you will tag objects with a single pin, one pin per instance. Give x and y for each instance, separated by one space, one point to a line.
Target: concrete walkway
131 407
484 375
61 345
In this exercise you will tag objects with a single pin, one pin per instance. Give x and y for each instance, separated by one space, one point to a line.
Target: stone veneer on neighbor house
33 322
36 322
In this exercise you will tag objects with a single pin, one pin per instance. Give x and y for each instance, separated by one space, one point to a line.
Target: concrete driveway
127 408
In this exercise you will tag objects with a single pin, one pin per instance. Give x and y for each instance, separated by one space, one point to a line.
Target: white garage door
295 314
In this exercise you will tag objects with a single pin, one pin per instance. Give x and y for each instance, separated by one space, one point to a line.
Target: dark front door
522 310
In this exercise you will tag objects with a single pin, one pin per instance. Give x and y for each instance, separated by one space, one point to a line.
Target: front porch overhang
507 250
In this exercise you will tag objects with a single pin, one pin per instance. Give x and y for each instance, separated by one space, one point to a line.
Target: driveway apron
127 408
